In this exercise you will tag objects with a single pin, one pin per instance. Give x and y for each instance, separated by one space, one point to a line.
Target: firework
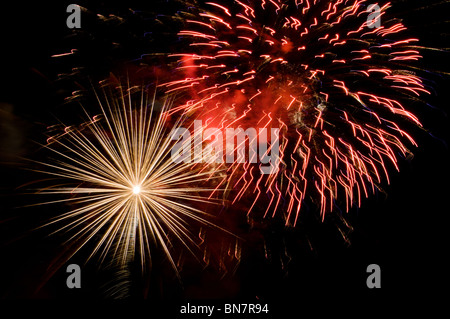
127 192
337 89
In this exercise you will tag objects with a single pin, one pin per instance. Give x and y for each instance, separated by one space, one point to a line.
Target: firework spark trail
337 89
125 186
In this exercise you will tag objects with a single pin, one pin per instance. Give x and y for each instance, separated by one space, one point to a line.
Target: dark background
405 231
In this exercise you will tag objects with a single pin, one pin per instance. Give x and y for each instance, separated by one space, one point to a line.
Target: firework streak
337 89
126 191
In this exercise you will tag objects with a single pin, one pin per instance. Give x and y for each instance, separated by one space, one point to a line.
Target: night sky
404 229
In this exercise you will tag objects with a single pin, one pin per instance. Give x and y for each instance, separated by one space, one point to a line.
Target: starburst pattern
127 191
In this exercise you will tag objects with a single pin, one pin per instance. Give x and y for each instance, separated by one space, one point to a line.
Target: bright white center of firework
136 189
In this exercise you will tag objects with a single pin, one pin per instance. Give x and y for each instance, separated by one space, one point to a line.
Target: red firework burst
337 89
